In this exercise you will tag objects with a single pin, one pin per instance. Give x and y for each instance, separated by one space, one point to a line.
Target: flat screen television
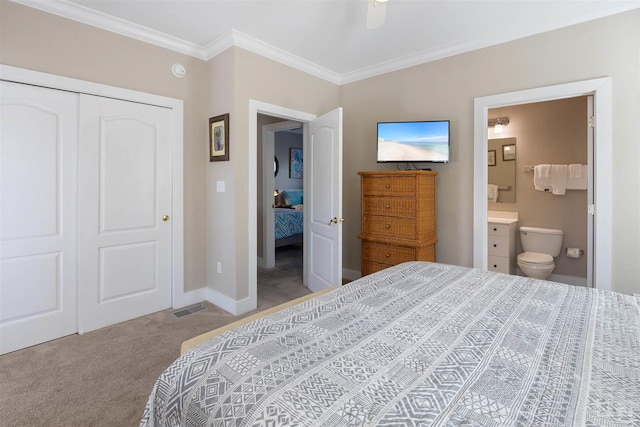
418 141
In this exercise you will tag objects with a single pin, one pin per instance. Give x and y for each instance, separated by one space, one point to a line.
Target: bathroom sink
502 217
502 220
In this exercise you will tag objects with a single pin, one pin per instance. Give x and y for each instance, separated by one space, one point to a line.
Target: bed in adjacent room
418 344
289 224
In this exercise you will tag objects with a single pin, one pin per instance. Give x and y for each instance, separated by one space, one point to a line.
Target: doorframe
52 81
601 89
255 108
268 184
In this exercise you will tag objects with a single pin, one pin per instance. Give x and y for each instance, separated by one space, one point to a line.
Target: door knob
165 218
336 220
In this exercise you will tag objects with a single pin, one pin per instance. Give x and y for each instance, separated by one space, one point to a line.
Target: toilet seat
535 258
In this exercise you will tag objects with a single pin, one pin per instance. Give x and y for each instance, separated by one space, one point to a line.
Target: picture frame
295 163
219 138
508 152
491 158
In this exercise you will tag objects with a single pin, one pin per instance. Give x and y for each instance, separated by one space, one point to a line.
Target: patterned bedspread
288 222
418 344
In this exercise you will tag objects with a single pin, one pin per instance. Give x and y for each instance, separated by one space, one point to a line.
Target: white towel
492 193
559 175
577 181
575 171
542 177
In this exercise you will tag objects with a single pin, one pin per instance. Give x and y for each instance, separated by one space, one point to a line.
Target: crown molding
239 39
97 19
236 38
586 13
115 25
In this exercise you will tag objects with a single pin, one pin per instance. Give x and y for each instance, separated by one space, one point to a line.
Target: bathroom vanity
501 239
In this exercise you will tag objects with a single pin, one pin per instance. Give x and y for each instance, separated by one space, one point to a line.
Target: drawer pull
388 206
495 246
387 185
387 226
495 265
495 229
387 255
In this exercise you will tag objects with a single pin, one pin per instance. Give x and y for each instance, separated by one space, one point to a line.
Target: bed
418 344
289 225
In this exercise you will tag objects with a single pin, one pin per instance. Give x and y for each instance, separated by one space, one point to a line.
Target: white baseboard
184 299
220 300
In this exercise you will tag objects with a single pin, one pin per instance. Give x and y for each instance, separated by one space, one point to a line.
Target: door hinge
591 122
591 209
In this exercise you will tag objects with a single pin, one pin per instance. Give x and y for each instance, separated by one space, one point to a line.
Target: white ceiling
328 38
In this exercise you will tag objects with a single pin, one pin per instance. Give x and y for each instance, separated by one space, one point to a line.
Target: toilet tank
541 240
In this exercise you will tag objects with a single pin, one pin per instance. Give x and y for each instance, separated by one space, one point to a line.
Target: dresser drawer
498 229
387 254
499 264
498 245
389 206
389 185
403 228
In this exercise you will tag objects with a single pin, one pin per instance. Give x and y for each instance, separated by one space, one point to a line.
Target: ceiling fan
376 13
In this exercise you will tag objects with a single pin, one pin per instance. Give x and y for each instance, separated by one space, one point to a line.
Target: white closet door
125 211
38 168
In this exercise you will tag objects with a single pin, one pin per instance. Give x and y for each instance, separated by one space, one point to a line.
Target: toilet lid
535 258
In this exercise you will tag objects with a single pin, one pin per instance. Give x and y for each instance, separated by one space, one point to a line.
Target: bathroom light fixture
498 124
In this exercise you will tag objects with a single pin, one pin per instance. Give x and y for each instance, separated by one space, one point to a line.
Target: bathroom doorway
534 135
599 273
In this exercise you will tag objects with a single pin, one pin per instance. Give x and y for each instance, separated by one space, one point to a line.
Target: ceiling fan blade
376 13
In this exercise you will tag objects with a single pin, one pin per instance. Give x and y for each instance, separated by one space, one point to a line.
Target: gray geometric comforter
418 344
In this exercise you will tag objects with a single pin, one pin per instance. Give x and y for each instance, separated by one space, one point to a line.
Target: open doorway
601 158
280 209
322 141
534 135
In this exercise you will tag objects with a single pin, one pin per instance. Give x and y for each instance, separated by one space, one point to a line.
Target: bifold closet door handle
165 218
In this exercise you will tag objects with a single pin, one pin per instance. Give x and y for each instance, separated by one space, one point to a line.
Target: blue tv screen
420 141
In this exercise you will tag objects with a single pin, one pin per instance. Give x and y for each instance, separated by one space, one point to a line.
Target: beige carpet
104 377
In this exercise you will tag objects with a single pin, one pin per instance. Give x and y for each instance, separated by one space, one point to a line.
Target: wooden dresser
398 218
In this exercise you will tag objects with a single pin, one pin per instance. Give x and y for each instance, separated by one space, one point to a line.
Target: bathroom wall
549 132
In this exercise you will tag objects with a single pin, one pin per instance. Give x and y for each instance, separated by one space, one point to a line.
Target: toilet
540 246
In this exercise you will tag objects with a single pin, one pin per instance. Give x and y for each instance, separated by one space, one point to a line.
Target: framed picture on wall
491 158
219 138
509 152
295 163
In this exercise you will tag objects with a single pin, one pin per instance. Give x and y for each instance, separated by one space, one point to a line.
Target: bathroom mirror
503 172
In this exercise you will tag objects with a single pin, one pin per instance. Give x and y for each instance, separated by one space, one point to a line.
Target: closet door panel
38 193
125 211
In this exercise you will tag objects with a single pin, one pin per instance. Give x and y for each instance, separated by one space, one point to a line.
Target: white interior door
323 201
38 168
124 251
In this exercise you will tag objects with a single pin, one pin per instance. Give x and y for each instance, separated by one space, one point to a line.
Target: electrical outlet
219 267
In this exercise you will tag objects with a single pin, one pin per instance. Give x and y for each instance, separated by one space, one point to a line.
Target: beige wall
47 43
446 89
440 89
261 79
550 132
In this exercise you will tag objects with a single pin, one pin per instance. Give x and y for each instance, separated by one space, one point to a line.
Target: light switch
220 186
